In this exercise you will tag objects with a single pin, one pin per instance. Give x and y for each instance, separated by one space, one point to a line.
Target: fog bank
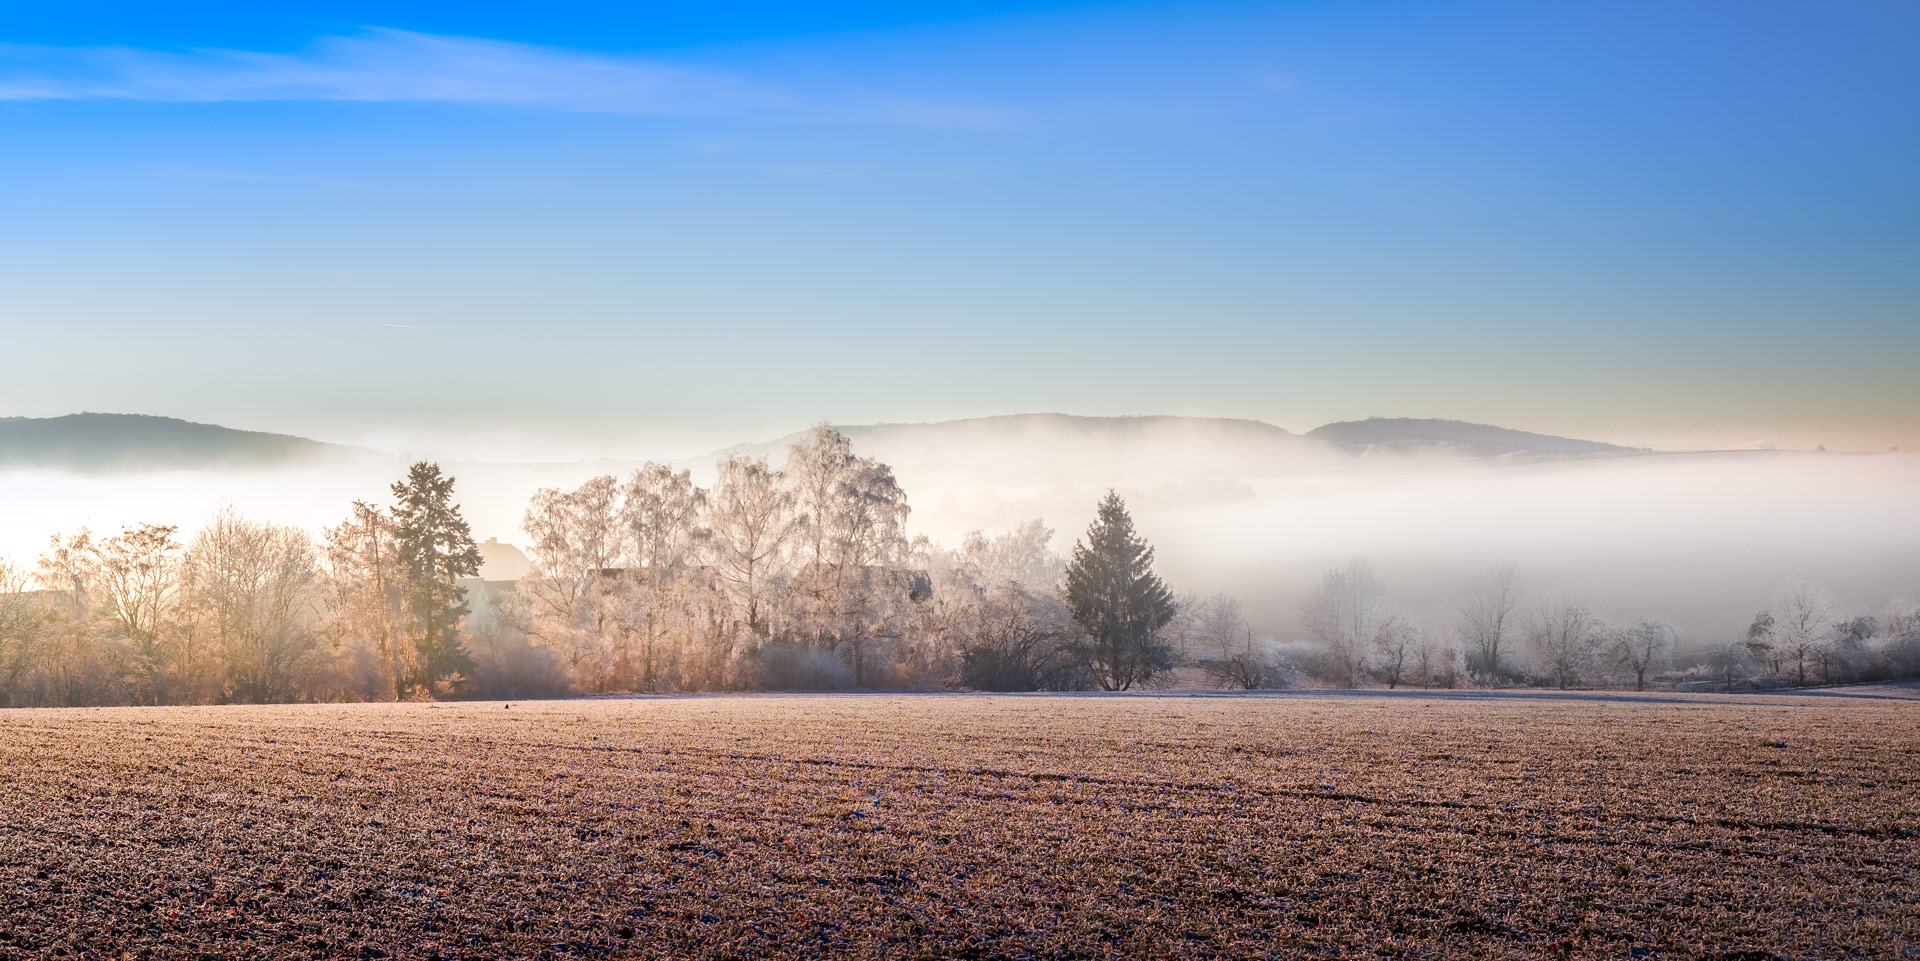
1698 539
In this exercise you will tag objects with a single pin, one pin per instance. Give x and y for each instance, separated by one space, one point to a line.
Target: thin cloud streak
384 65
380 65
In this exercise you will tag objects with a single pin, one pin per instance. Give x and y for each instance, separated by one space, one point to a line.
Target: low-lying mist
1700 540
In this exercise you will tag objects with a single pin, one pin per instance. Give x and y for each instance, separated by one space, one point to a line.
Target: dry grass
1753 827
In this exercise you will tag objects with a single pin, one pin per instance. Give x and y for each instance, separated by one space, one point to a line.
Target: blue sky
620 230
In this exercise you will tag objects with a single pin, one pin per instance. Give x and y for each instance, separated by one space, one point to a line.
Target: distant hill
1047 444
1410 435
1017 449
107 443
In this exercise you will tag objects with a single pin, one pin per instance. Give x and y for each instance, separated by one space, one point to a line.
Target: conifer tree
1118 600
436 548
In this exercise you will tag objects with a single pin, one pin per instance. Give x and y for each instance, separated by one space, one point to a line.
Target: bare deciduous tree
1638 647
70 570
1434 660
1393 645
137 572
1224 645
19 628
255 589
1565 635
575 587
1346 614
365 592
1487 621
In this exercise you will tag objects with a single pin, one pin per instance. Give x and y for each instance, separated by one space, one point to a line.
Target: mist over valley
1698 538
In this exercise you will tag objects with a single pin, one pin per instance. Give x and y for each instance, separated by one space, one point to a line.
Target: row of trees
796 576
801 575
1355 638
804 575
244 610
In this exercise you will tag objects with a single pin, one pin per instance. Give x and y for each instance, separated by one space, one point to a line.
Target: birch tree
852 518
750 513
660 524
577 585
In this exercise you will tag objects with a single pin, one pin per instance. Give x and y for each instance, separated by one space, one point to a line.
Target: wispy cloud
384 65
379 65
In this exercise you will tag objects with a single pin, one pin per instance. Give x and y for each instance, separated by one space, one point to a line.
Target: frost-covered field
1537 826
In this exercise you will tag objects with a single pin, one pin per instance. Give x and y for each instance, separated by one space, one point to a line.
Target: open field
1467 826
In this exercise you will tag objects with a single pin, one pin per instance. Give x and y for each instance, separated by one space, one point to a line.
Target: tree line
1354 637
801 575
796 576
244 611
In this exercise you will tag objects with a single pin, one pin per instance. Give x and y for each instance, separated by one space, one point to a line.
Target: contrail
405 326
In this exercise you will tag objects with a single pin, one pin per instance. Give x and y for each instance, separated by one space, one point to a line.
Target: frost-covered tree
1900 627
1346 615
1020 556
76 669
436 549
660 523
1216 637
1843 653
1394 649
1760 641
1434 660
1487 622
254 591
1118 600
851 515
1729 660
750 513
1565 635
137 572
1639 646
1802 621
1019 640
365 590
576 590
19 629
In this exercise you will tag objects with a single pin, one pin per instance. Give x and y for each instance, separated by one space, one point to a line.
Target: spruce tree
1118 600
436 548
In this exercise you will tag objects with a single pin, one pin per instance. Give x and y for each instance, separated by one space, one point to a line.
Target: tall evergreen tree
435 547
1118 600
